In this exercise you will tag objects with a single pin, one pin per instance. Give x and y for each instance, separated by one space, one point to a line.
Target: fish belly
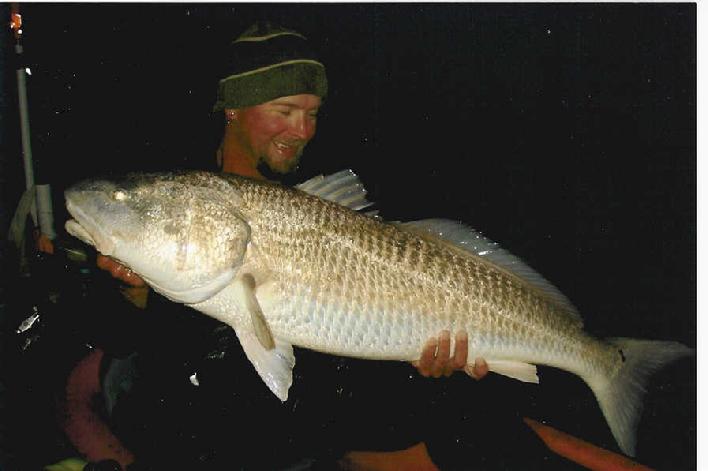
381 327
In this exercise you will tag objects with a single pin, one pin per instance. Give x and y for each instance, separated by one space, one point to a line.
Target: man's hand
436 361
119 271
43 243
137 290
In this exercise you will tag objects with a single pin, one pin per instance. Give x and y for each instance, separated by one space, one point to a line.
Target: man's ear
230 114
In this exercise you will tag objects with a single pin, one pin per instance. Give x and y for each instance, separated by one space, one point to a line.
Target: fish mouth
73 227
85 229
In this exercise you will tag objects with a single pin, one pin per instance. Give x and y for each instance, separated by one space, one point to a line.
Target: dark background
565 132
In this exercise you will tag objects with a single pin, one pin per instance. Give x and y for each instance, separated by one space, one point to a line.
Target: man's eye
283 111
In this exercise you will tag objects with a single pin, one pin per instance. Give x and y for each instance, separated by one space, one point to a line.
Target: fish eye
119 195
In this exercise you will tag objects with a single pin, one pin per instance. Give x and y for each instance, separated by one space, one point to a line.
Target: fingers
103 262
479 370
459 359
435 360
442 358
119 271
427 358
44 244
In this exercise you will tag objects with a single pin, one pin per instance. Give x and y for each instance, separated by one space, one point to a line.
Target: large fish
301 266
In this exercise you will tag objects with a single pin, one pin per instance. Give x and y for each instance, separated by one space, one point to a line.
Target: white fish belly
387 328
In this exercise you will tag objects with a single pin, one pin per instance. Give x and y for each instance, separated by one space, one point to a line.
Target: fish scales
376 291
284 267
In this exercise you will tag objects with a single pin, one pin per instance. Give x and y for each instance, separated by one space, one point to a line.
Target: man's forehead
305 101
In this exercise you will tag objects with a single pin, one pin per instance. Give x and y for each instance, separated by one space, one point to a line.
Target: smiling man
273 134
270 101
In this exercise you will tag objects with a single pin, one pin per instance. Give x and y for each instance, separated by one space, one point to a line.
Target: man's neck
240 167
235 159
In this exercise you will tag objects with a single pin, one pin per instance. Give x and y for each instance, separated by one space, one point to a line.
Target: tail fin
620 396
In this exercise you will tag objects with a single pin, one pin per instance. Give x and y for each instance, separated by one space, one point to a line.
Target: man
270 102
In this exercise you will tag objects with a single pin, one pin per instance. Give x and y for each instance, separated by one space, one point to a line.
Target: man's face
277 131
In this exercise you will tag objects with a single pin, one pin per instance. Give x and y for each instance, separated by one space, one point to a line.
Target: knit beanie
268 62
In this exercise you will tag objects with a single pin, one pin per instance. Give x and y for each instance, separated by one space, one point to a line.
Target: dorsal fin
343 188
475 243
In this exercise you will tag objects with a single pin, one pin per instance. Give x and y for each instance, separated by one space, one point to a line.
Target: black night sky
565 132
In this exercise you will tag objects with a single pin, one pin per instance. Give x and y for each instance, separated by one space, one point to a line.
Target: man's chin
283 166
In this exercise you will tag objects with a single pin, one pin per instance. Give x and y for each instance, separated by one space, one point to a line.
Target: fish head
182 233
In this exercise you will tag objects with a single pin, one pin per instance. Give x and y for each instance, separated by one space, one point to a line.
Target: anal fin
525 372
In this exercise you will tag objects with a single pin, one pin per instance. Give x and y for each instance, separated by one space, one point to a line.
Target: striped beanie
268 62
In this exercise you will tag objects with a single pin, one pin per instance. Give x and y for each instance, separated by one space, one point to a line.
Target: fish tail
620 393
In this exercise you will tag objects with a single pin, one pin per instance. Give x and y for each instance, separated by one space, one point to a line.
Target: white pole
41 209
25 129
44 211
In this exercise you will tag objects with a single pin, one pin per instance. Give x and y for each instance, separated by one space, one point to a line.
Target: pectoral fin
525 372
275 366
247 285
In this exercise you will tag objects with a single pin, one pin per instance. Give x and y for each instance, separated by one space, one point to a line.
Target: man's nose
303 127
